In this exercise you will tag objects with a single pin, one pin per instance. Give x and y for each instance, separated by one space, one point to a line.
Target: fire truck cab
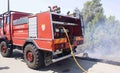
40 36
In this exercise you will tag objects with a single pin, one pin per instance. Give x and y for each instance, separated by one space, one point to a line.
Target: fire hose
72 53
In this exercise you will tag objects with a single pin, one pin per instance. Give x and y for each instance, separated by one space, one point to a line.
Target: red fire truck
40 36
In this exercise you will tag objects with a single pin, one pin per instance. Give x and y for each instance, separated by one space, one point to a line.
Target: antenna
8 5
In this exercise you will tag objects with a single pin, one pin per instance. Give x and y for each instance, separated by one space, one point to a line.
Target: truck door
2 24
7 27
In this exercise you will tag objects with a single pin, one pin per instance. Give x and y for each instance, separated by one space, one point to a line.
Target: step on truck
39 36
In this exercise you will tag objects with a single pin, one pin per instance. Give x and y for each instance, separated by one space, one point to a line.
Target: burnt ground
99 60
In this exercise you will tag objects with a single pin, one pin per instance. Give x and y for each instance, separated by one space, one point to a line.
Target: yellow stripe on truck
61 40
79 38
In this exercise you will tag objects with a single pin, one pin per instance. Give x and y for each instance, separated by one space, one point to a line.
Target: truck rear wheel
33 57
5 51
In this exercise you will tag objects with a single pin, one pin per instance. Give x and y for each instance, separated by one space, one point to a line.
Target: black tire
36 60
5 51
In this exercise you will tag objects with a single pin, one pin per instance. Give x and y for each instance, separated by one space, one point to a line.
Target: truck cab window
1 23
7 19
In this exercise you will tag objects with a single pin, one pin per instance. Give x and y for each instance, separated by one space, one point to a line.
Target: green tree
113 25
112 20
93 12
98 28
93 16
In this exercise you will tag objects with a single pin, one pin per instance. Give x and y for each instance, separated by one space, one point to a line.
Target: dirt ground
16 64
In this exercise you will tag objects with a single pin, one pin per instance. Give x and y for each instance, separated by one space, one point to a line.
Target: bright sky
111 7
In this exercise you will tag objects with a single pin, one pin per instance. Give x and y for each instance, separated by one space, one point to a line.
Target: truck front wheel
33 57
5 51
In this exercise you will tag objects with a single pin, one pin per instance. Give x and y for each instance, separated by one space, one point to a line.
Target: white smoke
104 42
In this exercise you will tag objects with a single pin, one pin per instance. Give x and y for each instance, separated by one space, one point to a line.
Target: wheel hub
4 49
30 56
